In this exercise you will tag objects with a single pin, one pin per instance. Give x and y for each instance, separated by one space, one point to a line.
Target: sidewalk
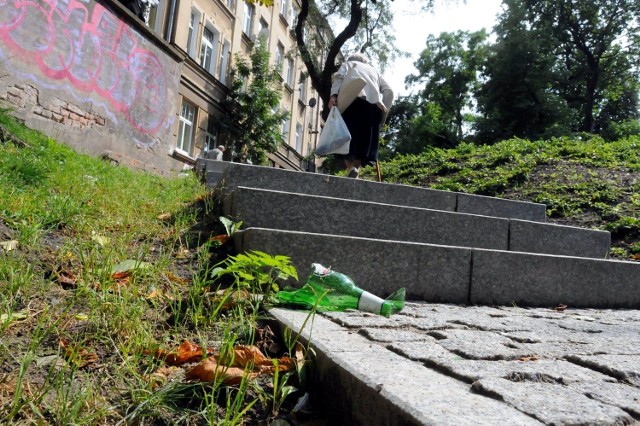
455 365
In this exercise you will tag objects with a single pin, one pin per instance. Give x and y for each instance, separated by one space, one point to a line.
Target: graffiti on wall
87 46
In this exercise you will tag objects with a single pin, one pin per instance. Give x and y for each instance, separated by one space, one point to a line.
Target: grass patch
104 273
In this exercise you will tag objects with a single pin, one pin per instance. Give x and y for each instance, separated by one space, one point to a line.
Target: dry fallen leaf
176 279
209 370
9 245
230 299
222 239
529 358
560 308
164 217
66 279
244 356
79 356
187 352
162 375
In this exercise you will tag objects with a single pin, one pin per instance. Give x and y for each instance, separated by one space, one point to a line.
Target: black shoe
353 173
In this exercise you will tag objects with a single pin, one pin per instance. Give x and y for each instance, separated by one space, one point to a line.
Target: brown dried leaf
164 217
176 279
209 370
244 356
529 358
187 352
560 308
79 356
222 238
161 376
66 279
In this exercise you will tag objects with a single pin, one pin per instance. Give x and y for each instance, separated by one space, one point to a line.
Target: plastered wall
80 72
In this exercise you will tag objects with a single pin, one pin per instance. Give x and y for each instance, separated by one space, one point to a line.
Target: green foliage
256 271
448 68
254 123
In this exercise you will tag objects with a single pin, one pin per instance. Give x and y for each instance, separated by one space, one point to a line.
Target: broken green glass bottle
328 290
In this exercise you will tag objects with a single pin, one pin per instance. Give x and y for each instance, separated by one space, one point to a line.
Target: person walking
216 153
366 114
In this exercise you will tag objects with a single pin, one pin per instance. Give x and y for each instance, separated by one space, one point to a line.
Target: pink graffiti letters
85 44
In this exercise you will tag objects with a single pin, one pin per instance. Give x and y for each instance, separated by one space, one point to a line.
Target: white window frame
156 15
289 74
247 18
194 33
207 49
303 90
299 135
223 62
279 57
211 135
284 9
186 128
286 127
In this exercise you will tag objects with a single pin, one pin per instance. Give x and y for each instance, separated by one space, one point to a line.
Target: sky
413 28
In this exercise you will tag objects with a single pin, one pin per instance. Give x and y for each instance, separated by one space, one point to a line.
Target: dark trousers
363 120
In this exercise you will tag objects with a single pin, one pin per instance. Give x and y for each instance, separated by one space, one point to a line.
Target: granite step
226 176
260 208
458 275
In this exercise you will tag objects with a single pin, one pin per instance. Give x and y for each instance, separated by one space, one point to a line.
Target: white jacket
376 90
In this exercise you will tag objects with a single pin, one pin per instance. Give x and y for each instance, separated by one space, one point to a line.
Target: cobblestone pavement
448 364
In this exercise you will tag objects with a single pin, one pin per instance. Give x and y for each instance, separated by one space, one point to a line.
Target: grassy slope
587 183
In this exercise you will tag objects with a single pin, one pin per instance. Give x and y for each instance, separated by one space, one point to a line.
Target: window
223 62
247 23
263 30
156 15
206 49
286 123
279 57
185 128
303 90
284 9
289 72
194 29
211 136
231 4
299 133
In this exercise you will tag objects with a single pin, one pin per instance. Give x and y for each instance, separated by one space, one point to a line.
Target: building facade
210 33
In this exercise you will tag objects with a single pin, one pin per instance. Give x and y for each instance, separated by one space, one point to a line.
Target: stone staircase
443 247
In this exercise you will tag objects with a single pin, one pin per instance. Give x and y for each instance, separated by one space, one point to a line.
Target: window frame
185 125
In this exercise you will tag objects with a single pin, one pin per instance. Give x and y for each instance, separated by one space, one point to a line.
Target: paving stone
552 403
385 335
548 371
621 395
368 384
623 367
473 344
429 353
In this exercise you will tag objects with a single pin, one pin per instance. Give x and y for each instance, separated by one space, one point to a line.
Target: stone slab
326 215
336 216
499 207
534 237
524 279
623 367
237 174
365 383
552 403
427 272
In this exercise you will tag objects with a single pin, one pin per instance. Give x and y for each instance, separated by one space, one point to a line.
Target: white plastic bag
335 136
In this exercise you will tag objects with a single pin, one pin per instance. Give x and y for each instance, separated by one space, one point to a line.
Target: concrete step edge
236 174
459 275
258 207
